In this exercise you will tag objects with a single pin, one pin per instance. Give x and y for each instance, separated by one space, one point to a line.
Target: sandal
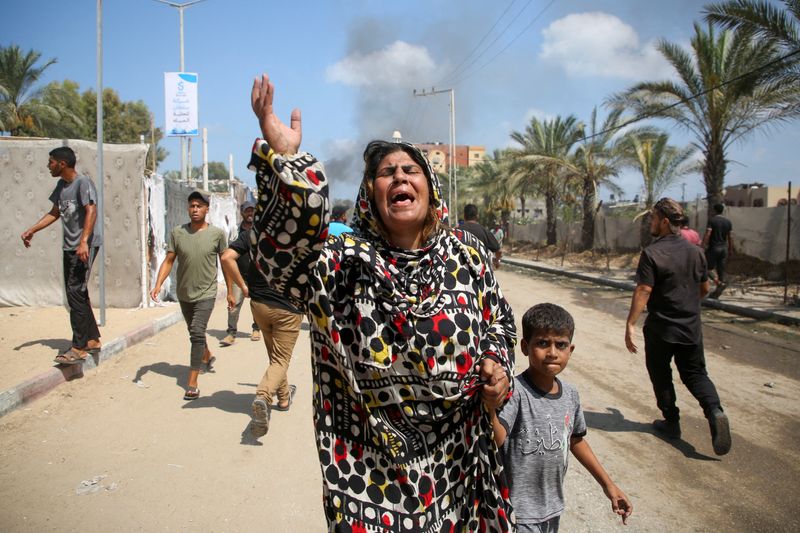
209 365
192 393
93 347
279 407
70 357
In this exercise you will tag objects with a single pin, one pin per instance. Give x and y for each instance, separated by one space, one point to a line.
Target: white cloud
599 44
399 64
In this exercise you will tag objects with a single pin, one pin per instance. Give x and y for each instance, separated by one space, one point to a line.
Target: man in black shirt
718 243
248 210
671 279
472 225
279 322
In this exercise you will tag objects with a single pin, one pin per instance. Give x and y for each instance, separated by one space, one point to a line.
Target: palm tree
660 164
722 93
595 162
761 19
489 185
20 110
538 164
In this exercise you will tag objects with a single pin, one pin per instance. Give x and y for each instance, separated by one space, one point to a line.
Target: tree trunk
644 231
550 208
587 228
714 174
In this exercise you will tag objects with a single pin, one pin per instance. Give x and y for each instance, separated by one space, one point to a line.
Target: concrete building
439 155
759 195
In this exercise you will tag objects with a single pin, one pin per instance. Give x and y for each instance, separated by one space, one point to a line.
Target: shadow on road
56 344
179 372
229 401
615 421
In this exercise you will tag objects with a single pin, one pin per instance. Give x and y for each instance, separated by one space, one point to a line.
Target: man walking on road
671 280
718 243
196 246
278 320
75 203
472 225
248 210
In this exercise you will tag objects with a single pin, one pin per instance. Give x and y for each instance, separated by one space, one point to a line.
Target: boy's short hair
547 317
65 154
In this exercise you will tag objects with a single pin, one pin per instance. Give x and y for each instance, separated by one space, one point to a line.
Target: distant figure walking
248 210
75 203
472 225
196 246
338 223
671 280
718 242
688 233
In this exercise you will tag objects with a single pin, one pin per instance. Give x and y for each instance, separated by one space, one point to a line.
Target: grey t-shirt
72 199
536 451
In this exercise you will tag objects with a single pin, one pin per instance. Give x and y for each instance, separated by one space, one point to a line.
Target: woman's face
402 197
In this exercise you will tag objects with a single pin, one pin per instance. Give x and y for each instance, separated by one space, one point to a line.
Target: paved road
176 466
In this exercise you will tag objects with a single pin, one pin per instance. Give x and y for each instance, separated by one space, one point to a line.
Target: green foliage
21 113
59 110
722 93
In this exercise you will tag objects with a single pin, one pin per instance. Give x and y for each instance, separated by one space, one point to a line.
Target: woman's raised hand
282 139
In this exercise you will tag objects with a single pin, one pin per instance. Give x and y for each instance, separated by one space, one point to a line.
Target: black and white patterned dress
404 442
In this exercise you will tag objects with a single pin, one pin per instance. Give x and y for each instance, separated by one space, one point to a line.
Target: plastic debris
89 486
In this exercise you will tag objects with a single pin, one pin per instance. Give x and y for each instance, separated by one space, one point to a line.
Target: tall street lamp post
180 8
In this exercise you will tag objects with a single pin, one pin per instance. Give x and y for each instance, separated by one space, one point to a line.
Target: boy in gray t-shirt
542 421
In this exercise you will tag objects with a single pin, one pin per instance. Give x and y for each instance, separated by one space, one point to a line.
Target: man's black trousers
76 284
691 364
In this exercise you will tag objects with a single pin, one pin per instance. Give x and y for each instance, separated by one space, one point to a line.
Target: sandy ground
33 336
162 464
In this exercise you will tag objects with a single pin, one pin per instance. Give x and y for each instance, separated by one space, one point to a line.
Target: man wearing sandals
75 203
278 320
196 246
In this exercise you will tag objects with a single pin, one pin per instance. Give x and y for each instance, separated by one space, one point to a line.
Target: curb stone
40 385
749 312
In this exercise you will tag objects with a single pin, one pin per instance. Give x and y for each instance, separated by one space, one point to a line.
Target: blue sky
351 67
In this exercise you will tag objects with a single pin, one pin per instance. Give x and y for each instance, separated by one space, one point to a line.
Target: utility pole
452 193
180 8
100 171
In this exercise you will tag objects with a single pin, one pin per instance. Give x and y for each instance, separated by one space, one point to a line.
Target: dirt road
120 450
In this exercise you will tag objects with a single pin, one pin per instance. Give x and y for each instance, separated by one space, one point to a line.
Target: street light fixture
180 8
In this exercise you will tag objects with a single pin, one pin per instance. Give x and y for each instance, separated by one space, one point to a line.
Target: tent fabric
34 277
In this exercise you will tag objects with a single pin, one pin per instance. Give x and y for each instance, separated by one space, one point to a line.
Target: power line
453 72
657 112
463 77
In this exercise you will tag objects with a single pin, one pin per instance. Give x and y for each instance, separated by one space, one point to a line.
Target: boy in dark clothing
472 225
718 243
248 210
542 420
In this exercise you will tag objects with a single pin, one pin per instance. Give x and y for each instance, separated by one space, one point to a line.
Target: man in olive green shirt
196 245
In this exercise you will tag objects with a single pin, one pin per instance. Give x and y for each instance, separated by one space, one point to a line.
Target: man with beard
248 210
671 279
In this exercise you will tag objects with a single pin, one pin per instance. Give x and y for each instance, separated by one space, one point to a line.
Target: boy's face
548 352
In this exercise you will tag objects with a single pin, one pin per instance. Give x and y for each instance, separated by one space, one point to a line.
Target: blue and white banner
180 99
